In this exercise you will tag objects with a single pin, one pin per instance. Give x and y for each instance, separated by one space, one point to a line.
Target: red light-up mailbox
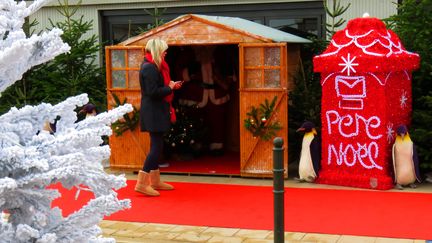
366 93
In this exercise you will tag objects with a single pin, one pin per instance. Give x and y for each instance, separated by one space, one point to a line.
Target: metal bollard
278 190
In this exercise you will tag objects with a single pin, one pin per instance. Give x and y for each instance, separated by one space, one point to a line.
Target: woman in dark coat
156 113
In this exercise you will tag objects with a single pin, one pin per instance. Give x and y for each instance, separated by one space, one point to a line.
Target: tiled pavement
164 233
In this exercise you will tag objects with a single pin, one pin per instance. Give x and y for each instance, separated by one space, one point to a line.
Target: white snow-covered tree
32 159
18 53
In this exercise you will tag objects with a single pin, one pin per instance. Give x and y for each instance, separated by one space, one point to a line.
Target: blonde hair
156 47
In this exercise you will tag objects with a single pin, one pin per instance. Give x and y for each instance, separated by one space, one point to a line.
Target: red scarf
165 71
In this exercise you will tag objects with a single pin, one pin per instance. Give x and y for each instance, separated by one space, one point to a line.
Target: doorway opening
205 138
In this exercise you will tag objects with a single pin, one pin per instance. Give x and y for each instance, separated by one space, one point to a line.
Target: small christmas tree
33 159
187 134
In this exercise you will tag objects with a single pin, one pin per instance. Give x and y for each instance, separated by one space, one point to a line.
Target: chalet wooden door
129 149
263 75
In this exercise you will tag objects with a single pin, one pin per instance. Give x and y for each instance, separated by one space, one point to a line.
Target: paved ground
164 233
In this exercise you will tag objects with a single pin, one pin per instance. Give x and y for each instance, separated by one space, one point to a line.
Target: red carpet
346 212
228 164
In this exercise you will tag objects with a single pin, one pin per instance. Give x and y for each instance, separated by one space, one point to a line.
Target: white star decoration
403 99
389 132
348 64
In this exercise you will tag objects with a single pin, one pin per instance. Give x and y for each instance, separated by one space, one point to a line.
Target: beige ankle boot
156 183
143 184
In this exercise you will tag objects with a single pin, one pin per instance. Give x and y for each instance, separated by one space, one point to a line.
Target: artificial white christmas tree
32 159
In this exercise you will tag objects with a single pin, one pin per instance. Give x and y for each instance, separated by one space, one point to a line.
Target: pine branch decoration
257 121
128 122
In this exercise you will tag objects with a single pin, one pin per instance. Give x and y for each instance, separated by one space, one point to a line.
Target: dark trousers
156 147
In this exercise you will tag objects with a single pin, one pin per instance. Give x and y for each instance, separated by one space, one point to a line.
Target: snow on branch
19 53
32 160
71 156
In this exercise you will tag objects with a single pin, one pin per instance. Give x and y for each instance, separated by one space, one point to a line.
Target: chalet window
125 66
262 67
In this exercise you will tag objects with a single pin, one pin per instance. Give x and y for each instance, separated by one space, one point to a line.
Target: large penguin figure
405 160
310 156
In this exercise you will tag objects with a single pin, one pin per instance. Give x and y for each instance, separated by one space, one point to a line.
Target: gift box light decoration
366 94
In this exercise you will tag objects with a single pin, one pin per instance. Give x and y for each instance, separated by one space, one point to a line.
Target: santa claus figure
206 89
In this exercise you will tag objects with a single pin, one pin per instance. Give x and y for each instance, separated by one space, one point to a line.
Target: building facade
117 20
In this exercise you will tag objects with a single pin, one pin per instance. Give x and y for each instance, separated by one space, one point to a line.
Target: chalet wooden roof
197 29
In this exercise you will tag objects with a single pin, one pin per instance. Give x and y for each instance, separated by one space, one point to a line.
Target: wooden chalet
265 60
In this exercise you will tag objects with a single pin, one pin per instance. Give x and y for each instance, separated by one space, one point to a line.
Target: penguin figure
310 156
405 160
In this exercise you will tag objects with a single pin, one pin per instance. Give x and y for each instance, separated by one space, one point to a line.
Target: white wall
376 8
89 8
